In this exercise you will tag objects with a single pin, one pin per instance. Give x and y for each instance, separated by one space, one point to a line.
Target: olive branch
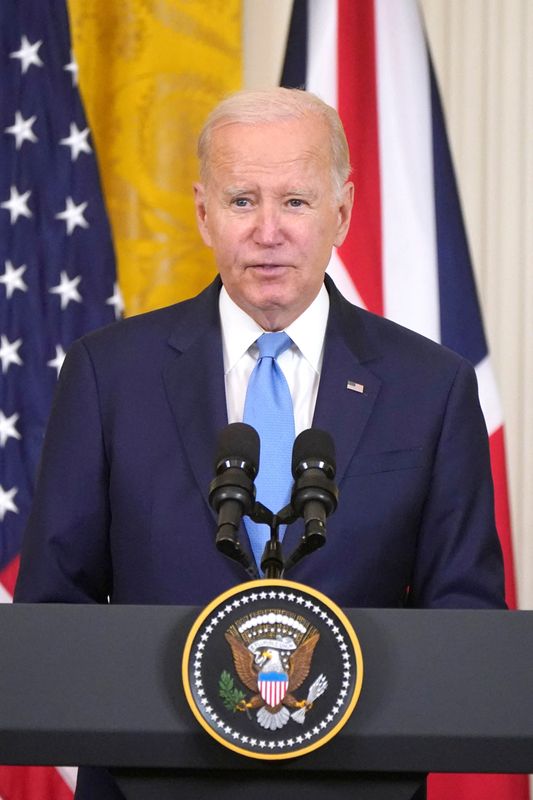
231 696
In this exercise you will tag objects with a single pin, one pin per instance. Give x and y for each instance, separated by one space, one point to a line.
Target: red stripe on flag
357 106
32 783
8 576
502 513
484 787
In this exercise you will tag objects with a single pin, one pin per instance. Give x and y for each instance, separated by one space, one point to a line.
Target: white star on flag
12 278
73 215
67 289
22 130
7 428
28 54
72 67
17 205
9 352
116 301
77 141
57 362
6 501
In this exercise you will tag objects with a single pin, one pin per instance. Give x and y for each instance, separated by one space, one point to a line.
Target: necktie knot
272 345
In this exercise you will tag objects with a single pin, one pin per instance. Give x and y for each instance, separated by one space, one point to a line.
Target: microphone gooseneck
314 495
232 491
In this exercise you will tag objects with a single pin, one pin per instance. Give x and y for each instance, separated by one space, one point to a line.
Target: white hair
257 106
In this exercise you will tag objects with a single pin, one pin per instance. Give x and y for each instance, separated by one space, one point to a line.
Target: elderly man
121 511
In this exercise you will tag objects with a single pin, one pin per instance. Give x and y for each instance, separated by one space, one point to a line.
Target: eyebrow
232 191
299 193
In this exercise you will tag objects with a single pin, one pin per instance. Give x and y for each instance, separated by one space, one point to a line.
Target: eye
295 202
241 202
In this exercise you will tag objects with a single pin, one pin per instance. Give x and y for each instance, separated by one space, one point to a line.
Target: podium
443 691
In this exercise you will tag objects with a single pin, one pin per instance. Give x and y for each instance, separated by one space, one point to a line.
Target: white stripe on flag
488 396
69 775
342 279
321 75
410 276
5 597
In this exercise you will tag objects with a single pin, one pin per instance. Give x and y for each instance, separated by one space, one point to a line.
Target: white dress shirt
301 363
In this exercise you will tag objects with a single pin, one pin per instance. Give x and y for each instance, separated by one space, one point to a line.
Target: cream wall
485 70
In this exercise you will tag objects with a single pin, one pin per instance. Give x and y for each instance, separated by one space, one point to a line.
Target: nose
268 229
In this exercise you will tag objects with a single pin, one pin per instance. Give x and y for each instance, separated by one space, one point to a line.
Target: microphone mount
314 497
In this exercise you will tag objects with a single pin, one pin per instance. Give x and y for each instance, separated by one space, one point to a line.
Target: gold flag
150 71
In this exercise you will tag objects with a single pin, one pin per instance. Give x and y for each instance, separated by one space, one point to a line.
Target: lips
268 267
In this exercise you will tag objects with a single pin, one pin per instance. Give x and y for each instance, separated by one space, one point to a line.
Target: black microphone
232 491
314 494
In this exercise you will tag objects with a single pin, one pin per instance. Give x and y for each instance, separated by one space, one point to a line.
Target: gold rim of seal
250 586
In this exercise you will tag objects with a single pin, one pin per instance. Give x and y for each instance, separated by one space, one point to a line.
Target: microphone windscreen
240 442
313 445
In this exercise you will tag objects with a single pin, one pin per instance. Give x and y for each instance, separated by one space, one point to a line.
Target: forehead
284 147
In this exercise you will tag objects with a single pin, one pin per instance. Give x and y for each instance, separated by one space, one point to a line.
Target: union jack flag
406 255
57 271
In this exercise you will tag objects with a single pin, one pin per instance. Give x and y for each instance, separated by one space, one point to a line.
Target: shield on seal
273 687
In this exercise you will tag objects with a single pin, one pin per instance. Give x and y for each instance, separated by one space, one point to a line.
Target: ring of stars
332 713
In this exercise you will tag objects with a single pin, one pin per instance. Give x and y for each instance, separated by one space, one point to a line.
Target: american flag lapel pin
355 387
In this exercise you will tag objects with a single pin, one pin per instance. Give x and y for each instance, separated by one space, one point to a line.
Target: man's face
268 209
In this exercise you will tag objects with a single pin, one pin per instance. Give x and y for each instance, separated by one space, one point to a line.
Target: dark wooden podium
443 691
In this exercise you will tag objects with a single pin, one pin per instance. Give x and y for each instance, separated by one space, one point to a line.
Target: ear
201 212
344 208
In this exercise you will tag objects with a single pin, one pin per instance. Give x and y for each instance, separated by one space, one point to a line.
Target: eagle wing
244 662
300 662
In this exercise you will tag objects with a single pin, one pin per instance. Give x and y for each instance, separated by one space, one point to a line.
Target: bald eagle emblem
272 652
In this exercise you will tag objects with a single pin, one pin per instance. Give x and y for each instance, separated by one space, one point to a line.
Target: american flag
406 255
57 269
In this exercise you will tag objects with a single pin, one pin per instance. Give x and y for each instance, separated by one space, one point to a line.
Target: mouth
268 268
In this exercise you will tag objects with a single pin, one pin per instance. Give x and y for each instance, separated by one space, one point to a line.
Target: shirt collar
240 331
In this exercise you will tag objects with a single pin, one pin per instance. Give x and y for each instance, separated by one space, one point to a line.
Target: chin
272 302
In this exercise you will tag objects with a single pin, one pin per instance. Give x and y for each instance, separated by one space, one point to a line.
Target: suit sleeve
65 552
459 561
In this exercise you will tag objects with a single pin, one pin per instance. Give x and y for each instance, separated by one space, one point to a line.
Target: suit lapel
194 382
343 412
347 392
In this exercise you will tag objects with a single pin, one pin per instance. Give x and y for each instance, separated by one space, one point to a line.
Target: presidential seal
272 669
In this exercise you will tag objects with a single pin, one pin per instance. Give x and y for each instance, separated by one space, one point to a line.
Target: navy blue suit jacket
121 507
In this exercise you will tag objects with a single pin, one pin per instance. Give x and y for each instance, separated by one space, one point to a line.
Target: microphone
314 494
232 491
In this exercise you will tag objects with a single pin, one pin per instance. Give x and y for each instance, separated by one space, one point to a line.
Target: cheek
317 242
223 244
226 236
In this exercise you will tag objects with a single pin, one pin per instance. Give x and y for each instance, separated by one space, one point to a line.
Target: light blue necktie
268 408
